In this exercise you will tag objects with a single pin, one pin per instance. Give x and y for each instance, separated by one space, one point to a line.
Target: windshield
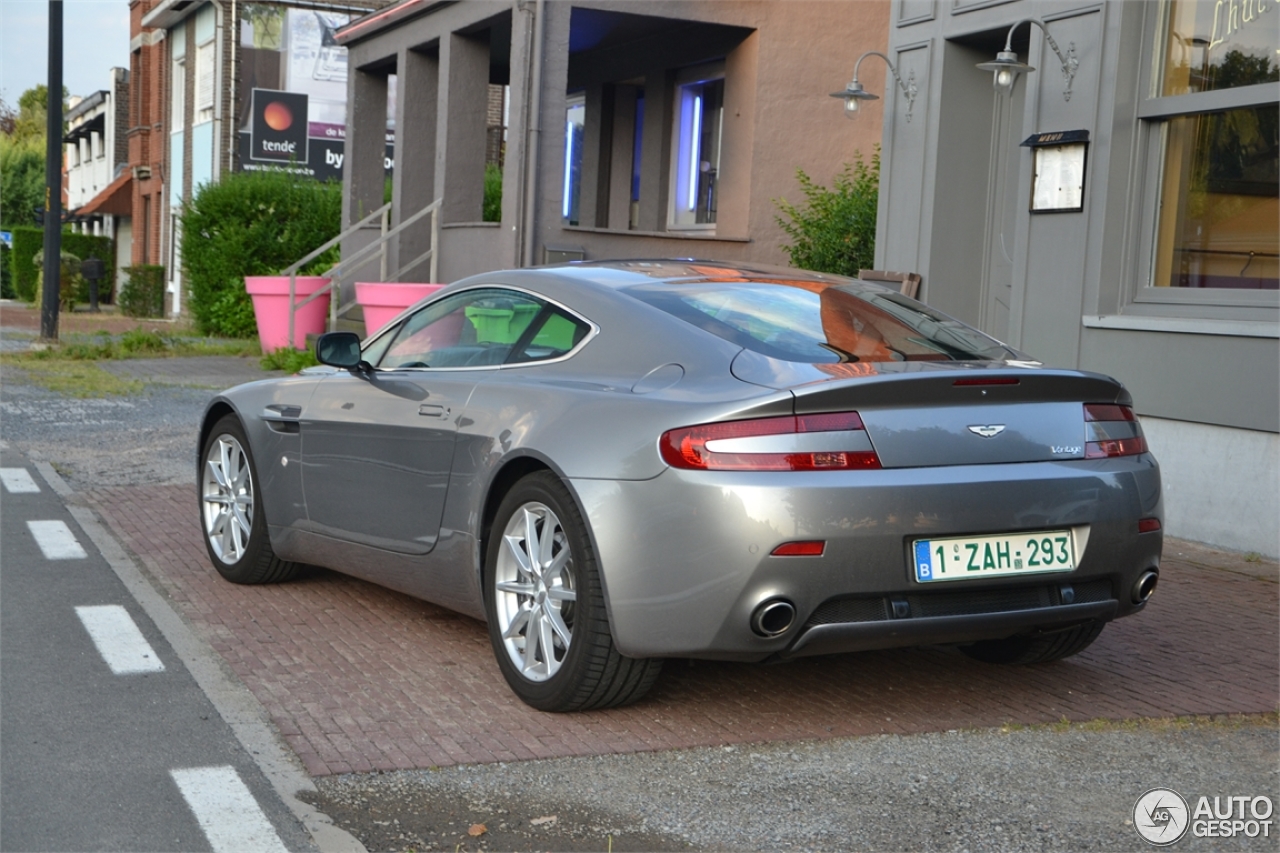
820 323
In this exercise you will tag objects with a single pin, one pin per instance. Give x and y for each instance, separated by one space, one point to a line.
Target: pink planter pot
271 309
383 301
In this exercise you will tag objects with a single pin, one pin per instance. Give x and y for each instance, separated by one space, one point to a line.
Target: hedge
142 294
28 240
6 274
252 223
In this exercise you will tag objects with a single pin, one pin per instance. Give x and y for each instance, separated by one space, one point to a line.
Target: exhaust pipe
773 617
1145 585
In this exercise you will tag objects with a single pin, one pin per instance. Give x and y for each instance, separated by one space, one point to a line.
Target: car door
377 446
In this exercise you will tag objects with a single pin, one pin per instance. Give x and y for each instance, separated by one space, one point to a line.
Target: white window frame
178 95
206 81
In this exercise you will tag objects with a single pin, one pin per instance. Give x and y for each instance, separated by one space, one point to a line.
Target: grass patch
140 343
289 360
73 378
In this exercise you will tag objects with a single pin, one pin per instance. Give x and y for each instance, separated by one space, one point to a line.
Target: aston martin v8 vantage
620 462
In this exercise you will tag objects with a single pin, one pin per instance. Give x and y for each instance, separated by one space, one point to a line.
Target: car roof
631 272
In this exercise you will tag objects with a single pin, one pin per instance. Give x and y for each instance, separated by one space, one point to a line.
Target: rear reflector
1148 525
841 445
1112 430
800 549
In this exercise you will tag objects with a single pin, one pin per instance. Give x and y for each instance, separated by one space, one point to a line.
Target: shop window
695 165
574 122
1216 149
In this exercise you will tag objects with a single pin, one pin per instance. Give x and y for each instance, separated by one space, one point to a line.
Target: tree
22 151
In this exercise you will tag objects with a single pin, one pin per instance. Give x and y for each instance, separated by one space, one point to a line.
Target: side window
476 328
555 333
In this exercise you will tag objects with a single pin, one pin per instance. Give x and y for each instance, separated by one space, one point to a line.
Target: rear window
819 323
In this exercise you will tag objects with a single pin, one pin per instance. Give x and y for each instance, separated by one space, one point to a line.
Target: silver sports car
620 462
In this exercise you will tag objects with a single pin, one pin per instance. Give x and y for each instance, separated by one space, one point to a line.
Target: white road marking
17 481
118 639
229 815
56 540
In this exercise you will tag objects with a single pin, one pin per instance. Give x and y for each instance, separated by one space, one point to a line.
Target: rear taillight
825 442
1112 430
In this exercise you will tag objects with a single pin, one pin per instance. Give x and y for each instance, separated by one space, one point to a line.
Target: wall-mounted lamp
854 91
1005 67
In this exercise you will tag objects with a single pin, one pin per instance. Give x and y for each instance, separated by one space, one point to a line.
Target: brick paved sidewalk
358 678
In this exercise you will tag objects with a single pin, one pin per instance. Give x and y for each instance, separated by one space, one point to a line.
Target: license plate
970 557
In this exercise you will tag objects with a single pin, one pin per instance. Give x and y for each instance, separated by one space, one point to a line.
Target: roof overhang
396 13
166 13
116 199
97 124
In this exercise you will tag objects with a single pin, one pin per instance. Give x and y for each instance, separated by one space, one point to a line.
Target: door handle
433 410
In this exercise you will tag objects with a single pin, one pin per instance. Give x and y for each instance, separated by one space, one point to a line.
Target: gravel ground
983 790
1041 789
147 438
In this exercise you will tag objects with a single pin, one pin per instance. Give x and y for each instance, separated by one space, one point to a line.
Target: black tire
227 481
1036 648
587 672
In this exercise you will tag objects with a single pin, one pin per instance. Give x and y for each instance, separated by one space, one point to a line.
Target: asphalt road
108 741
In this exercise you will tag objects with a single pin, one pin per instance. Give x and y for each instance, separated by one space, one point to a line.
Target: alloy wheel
227 499
534 591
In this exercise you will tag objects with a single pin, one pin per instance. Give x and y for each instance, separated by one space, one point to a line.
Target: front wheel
231 516
1035 648
546 610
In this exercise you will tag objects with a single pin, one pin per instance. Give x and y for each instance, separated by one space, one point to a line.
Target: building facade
146 157
98 179
634 129
210 58
1116 212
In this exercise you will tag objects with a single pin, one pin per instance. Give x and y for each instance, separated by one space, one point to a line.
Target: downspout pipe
532 138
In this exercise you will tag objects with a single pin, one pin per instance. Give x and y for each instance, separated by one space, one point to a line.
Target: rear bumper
685 557
933 630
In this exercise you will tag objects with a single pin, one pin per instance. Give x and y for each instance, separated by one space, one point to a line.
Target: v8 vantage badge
1161 816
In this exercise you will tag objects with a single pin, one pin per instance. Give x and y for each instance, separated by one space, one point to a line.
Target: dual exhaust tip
1145 585
773 618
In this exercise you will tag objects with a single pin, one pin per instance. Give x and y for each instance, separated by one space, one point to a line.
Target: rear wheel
231 516
546 610
1035 648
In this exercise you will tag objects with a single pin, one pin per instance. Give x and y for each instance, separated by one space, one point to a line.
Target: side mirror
339 349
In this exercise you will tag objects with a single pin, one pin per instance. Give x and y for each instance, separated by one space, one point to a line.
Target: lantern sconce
853 93
1005 67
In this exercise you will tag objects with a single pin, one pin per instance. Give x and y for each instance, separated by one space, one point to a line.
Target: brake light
824 442
1112 430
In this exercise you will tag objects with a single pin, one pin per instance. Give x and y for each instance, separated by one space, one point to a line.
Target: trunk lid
931 415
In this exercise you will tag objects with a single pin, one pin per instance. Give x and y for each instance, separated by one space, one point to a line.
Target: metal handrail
362 255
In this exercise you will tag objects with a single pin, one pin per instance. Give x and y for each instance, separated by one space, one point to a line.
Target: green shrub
288 359
835 230
139 340
27 241
492 193
70 282
143 293
252 223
